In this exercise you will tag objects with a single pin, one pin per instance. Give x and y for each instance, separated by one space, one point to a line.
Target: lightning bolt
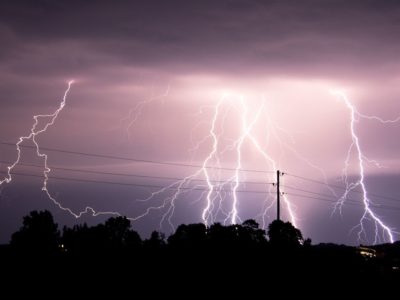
136 111
246 133
218 190
213 189
368 214
35 131
185 186
209 201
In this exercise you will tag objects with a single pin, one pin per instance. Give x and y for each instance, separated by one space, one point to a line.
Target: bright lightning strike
223 191
32 136
214 191
355 146
35 131
221 187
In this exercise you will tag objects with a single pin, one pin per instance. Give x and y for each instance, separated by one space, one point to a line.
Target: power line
175 164
135 159
341 187
348 202
128 175
318 198
319 194
170 187
307 191
319 182
326 195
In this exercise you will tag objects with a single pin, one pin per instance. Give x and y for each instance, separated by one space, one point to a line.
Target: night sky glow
183 112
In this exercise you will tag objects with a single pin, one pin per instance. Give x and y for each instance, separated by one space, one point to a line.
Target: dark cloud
289 36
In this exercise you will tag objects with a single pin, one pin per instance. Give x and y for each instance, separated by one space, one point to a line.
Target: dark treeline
40 235
191 250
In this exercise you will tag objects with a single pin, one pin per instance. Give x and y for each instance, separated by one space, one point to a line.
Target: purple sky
181 57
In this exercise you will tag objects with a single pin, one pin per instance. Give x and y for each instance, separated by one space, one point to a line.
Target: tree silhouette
250 234
220 236
119 232
156 241
114 235
284 234
193 247
188 236
78 239
38 234
133 240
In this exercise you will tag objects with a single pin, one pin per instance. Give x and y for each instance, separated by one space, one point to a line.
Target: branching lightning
216 195
35 131
381 229
136 111
214 191
221 186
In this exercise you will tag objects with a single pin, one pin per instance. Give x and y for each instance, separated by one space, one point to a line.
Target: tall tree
284 234
39 233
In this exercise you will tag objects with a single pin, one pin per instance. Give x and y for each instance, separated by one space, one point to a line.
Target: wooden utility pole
278 196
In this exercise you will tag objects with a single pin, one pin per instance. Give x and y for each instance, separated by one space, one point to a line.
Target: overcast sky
148 78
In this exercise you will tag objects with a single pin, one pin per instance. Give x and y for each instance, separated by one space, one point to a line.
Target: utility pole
278 196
